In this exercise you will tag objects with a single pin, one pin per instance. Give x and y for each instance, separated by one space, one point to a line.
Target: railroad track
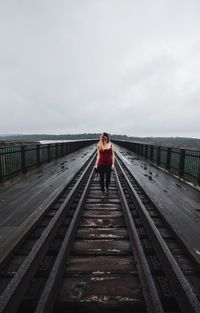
95 252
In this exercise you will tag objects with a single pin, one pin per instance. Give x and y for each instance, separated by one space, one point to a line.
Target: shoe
107 189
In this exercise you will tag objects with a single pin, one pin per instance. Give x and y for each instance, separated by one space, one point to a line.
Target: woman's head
104 137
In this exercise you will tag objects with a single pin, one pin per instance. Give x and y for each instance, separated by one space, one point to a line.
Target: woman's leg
108 174
101 174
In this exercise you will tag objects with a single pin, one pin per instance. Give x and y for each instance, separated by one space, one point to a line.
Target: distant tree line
174 141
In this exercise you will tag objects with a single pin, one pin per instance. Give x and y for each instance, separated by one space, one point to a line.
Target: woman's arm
113 157
98 155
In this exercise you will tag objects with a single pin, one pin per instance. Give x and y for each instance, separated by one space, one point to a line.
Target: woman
105 160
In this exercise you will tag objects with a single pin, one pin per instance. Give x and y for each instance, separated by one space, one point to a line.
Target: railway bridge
66 247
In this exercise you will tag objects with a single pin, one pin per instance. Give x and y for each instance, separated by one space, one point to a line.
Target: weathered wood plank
102 222
102 213
110 291
101 247
103 206
101 265
102 233
103 199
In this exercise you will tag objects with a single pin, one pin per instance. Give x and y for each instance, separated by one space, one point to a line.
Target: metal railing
182 162
18 159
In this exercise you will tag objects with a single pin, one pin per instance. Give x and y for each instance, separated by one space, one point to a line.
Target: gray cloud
85 66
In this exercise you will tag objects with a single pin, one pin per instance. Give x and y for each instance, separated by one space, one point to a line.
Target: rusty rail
184 293
152 299
14 292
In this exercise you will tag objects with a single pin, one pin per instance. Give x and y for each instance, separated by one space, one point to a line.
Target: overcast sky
122 66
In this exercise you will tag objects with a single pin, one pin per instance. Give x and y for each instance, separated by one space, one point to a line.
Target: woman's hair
100 143
105 135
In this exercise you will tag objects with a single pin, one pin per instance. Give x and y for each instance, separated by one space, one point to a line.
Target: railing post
56 151
182 162
141 149
132 147
23 159
158 155
38 155
137 148
168 164
49 152
62 149
151 153
146 151
1 166
198 182
65 148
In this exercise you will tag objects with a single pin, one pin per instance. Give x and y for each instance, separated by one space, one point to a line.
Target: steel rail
5 258
183 292
16 289
180 240
52 286
152 300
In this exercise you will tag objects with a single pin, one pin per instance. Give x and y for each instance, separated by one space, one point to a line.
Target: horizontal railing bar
17 159
181 161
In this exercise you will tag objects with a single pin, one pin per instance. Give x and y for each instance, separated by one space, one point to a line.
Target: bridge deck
21 203
178 202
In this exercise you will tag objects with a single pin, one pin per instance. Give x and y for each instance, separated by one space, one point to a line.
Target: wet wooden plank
101 265
97 192
102 233
185 265
92 294
102 213
104 199
3 284
99 195
102 222
103 206
101 247
5 231
13 266
109 292
96 189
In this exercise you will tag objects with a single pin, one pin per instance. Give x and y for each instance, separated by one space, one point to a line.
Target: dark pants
104 170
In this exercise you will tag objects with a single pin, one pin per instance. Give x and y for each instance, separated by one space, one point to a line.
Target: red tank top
105 156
